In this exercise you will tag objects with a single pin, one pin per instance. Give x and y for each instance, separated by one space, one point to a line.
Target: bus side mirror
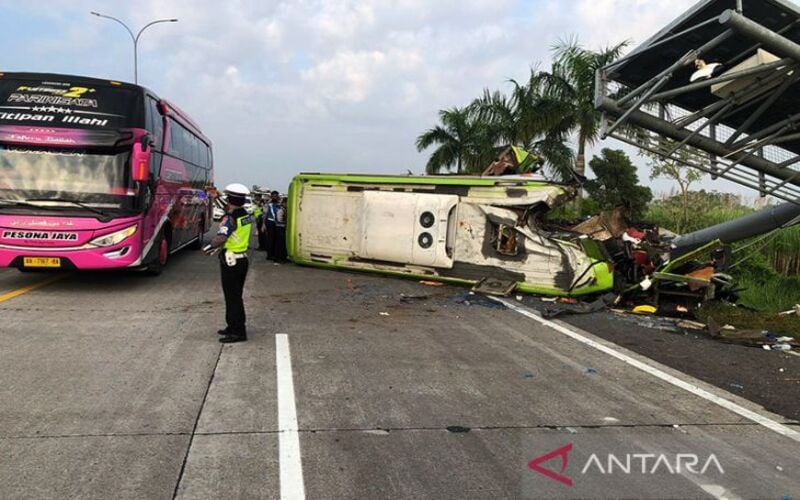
140 160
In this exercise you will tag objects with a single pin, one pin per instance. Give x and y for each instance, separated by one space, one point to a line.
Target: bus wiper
21 203
104 217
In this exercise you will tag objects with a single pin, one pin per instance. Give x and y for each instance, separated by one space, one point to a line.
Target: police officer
270 224
280 232
233 237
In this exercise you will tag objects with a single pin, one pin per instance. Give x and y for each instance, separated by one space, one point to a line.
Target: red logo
563 452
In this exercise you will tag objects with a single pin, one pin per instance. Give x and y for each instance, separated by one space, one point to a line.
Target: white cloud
614 21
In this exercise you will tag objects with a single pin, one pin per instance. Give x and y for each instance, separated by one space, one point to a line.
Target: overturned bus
485 231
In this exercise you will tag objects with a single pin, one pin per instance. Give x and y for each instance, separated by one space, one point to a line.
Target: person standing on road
258 214
280 232
270 218
233 237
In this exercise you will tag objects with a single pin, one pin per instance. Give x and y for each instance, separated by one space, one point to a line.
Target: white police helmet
236 189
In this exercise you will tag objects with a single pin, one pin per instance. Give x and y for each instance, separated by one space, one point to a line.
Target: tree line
541 115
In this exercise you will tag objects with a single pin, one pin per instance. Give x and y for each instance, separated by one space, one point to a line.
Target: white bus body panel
392 230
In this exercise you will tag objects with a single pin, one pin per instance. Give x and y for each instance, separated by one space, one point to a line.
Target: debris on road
691 325
644 309
795 311
408 297
551 310
657 323
495 286
470 298
778 347
458 429
431 283
754 338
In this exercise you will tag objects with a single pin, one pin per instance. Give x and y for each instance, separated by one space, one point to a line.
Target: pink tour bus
97 174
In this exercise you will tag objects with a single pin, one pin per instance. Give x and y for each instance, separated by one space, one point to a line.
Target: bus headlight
108 240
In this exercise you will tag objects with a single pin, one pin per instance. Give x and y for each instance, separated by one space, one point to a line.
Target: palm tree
530 119
571 83
462 139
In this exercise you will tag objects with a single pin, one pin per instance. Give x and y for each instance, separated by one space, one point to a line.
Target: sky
283 87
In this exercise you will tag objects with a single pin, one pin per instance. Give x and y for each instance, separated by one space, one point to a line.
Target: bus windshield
57 177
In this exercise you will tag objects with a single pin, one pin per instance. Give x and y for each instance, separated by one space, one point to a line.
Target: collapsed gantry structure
718 90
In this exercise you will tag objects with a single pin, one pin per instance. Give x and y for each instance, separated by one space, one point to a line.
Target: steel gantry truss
737 136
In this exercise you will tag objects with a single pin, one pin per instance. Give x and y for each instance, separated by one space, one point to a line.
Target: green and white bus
454 229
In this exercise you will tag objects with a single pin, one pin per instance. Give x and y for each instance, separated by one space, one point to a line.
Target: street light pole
135 38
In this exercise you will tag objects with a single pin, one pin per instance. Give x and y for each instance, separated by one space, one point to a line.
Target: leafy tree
685 176
462 139
617 183
529 119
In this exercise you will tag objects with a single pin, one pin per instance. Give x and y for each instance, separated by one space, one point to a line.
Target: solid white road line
652 370
291 466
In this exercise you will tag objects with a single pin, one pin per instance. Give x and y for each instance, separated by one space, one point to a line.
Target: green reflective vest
239 240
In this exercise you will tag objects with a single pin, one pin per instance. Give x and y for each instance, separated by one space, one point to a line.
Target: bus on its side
469 230
97 174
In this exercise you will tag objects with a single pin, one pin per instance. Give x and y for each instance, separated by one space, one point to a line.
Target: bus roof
72 78
172 109
452 180
185 120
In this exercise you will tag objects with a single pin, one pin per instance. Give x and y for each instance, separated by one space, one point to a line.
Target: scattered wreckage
684 269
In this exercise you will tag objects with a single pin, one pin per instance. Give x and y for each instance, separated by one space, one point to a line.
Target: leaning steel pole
739 229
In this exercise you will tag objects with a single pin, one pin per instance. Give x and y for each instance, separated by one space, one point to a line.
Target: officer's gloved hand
209 250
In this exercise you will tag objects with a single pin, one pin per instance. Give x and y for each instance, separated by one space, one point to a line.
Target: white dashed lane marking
291 466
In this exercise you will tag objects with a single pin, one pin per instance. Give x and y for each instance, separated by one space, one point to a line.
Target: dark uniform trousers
272 240
233 278
280 243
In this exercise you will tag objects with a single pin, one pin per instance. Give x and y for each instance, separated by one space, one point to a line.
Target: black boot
224 331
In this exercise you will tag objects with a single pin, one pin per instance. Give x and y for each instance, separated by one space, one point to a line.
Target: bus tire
156 266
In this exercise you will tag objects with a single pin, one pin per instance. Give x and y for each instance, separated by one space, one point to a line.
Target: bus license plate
41 261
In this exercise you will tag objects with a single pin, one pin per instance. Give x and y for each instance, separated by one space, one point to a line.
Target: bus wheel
157 265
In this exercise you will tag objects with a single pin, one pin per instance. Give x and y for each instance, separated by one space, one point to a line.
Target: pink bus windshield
98 179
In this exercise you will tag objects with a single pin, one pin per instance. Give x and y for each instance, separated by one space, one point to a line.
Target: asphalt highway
351 386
